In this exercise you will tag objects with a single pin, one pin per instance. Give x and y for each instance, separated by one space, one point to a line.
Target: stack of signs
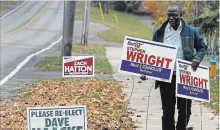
153 59
78 66
190 84
57 118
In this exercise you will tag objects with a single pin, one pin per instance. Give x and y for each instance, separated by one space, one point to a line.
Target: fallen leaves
105 107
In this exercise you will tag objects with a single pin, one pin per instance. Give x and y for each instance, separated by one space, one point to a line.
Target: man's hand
195 64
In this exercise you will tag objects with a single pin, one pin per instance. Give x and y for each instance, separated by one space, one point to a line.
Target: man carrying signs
175 31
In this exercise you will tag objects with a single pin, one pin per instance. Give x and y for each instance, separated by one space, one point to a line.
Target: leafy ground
102 66
129 24
106 107
214 103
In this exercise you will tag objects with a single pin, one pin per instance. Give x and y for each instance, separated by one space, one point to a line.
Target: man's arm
200 47
154 36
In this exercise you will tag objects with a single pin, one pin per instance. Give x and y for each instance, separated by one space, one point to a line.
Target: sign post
153 59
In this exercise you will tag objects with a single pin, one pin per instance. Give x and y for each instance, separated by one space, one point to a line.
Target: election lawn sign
190 84
143 57
57 118
78 66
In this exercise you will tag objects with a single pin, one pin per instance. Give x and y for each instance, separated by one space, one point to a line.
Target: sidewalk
148 117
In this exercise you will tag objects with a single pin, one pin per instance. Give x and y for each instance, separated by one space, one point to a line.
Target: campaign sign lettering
153 59
190 84
78 66
57 118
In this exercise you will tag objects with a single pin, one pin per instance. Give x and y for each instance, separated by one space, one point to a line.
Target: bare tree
105 8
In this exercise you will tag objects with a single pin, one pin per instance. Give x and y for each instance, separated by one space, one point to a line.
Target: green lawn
94 49
129 24
214 103
102 66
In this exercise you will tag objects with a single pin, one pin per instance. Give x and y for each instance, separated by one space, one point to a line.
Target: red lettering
188 80
182 79
205 83
131 55
200 83
168 62
191 80
140 57
138 45
145 58
151 60
160 61
195 81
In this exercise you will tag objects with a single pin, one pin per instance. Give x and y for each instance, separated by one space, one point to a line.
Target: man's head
174 15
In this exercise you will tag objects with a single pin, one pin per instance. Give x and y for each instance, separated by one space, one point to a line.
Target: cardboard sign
78 66
57 118
153 59
190 84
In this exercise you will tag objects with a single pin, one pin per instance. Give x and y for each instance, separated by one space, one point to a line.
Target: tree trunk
105 8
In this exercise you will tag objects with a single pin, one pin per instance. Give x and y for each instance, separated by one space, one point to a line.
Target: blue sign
194 92
191 84
153 59
144 69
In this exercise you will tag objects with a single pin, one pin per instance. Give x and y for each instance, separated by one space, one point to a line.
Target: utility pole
105 8
85 26
68 27
196 10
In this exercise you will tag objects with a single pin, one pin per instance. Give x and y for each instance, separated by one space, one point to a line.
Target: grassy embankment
214 103
106 106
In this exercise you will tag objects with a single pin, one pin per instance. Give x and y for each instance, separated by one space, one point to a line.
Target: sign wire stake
148 100
201 113
186 115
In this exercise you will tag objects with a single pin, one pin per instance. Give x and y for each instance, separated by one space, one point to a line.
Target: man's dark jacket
191 40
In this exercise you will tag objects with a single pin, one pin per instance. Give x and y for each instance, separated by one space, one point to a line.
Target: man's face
173 16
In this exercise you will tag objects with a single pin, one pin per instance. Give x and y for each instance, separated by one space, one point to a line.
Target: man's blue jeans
168 99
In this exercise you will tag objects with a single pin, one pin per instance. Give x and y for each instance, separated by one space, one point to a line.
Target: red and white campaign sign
143 57
191 84
78 66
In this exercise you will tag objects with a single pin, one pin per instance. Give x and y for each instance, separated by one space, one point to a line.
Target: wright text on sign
190 84
152 59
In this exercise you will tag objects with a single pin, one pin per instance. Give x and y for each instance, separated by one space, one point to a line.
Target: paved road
42 32
33 27
6 6
27 31
38 27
